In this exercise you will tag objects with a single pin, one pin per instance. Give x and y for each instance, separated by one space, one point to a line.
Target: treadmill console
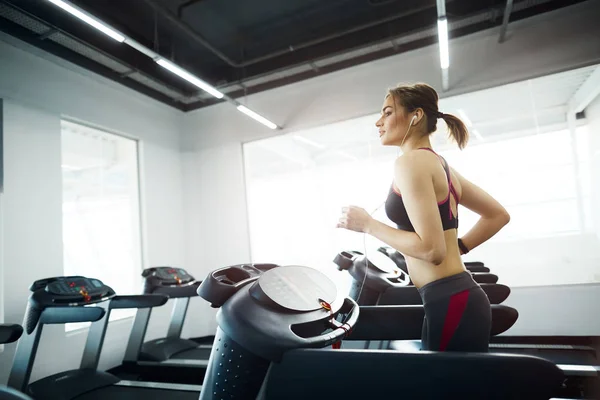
76 286
69 289
168 275
222 283
171 281
64 291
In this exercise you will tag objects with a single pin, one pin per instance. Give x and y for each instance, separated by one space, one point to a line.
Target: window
101 210
539 180
297 183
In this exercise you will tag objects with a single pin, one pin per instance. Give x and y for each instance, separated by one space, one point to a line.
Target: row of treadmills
284 332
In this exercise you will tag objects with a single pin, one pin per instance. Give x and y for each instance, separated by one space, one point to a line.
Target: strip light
443 38
89 19
257 117
189 77
93 21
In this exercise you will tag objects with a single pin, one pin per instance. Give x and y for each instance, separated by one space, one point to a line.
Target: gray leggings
458 316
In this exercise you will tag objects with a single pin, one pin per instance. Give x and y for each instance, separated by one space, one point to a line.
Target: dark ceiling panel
229 42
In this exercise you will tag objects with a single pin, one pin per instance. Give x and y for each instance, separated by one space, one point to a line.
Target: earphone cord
366 256
373 212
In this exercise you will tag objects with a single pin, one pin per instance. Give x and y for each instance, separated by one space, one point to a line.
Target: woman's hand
355 219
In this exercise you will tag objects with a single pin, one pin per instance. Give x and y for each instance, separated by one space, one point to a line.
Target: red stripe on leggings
456 308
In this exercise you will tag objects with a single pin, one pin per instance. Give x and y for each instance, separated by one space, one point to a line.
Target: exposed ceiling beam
507 12
184 27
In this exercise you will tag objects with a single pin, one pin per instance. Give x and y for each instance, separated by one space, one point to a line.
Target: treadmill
276 334
171 358
11 333
377 285
479 272
389 284
68 299
472 266
377 281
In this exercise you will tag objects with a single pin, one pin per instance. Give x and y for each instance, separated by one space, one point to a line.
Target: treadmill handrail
138 301
65 315
10 333
405 322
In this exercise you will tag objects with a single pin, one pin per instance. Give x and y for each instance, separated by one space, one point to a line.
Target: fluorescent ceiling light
465 119
189 77
443 38
308 141
93 21
257 117
477 135
89 19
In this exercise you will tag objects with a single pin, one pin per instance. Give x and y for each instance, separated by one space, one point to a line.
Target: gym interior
172 172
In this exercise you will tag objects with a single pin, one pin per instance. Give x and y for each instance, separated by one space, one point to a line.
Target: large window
525 156
101 211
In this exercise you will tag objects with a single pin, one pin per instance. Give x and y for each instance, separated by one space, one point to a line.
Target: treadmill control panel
75 289
74 286
68 294
169 275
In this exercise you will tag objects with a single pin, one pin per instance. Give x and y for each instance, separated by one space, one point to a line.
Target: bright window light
101 210
465 118
257 117
189 77
443 37
308 141
90 20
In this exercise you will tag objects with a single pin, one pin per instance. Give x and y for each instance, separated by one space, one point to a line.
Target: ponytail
456 130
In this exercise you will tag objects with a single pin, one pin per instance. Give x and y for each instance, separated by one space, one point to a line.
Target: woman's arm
414 179
493 216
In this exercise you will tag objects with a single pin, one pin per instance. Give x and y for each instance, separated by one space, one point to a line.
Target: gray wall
38 91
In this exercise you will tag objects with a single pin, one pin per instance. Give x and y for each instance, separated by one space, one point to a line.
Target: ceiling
243 47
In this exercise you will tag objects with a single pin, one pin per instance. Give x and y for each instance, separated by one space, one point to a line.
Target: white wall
38 91
213 136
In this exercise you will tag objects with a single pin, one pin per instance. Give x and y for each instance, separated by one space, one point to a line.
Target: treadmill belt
129 393
193 354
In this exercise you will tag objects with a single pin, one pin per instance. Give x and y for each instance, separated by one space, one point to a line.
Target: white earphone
409 126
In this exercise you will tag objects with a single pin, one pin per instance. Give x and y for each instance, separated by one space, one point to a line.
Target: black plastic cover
476 266
269 331
410 295
165 348
10 333
73 383
351 374
484 277
406 322
138 301
372 273
233 371
224 282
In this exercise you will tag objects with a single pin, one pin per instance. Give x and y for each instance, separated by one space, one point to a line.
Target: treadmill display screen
77 286
173 275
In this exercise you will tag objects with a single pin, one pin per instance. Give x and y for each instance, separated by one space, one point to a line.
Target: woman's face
393 123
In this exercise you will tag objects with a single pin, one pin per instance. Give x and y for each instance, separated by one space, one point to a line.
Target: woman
423 202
